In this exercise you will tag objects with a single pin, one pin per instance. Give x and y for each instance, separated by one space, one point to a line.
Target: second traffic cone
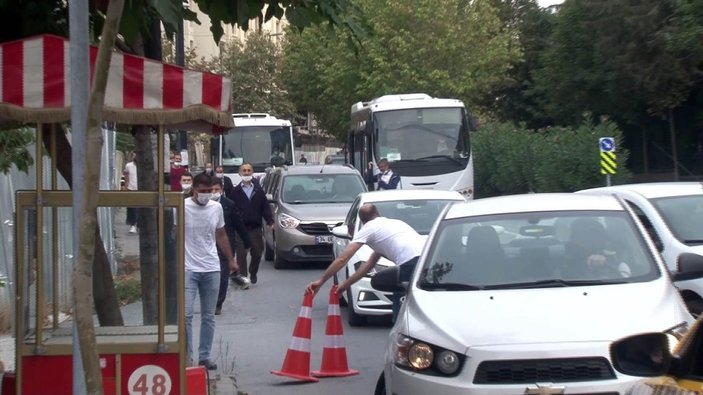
297 362
334 353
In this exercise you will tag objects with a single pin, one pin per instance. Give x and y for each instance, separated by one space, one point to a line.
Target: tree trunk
83 273
104 296
672 135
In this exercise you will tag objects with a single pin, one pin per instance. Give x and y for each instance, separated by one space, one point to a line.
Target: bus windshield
262 146
423 134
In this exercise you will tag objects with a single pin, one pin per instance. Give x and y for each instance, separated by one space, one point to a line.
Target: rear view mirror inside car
538 230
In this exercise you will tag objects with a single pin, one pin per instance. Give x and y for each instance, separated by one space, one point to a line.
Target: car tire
278 262
380 385
342 300
354 318
268 252
695 306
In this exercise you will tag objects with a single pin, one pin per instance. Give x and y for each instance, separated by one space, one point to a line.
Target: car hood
464 319
328 212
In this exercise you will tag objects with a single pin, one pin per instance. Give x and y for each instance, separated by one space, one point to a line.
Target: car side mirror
690 266
643 355
388 280
341 232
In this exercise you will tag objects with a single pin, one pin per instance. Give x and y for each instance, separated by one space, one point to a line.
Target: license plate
326 239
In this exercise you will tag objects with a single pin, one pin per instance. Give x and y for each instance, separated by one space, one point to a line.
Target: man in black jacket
233 226
254 208
220 173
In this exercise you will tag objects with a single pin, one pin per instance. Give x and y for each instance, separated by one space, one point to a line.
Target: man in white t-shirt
204 231
130 181
390 238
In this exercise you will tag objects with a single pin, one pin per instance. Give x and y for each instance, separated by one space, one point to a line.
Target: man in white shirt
391 238
130 180
204 231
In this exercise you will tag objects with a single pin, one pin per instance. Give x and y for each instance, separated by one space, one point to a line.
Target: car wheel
695 306
278 262
354 318
268 252
342 300
380 385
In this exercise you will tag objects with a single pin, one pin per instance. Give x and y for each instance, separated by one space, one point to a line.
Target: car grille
526 371
317 228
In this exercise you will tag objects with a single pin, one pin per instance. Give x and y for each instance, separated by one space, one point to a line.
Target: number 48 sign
149 380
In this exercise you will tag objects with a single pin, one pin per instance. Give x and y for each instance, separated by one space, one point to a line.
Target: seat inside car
296 193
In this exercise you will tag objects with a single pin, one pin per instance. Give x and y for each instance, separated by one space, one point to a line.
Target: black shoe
209 365
218 310
252 278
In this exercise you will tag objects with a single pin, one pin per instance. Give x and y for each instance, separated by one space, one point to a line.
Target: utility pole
182 139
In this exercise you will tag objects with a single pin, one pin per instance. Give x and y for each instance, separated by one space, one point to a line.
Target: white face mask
220 175
208 169
185 187
246 178
215 196
176 164
203 198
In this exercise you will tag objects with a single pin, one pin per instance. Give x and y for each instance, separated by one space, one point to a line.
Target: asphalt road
256 326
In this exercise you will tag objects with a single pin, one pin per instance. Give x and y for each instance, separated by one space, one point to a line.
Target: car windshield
419 214
321 188
684 216
537 250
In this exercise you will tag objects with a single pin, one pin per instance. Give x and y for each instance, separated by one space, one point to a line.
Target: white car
672 212
524 294
418 208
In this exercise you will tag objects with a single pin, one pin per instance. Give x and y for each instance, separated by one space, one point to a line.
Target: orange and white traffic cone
334 353
297 362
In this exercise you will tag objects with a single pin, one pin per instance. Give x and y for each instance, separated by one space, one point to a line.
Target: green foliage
443 48
128 289
511 159
13 149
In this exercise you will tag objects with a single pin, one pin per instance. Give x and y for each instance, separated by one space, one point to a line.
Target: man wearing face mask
228 185
204 225
233 226
186 183
176 172
254 207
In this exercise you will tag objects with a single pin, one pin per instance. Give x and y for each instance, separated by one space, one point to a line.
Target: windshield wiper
442 157
449 286
693 241
555 282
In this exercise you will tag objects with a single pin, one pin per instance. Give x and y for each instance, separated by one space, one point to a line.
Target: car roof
409 194
534 202
653 190
319 169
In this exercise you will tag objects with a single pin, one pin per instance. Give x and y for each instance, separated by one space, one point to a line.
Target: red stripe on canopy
13 74
133 82
54 79
173 87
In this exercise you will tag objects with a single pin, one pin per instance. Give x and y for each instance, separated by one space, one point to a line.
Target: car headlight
425 358
285 221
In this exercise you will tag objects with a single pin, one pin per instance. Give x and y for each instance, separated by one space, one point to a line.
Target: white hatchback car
672 212
418 208
524 294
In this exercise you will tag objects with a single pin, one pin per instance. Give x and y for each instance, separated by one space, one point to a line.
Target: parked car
672 212
307 202
674 366
418 208
524 295
335 159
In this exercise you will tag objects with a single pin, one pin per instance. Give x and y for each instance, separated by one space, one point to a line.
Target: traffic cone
334 353
297 361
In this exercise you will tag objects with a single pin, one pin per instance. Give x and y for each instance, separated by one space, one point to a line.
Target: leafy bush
511 159
128 289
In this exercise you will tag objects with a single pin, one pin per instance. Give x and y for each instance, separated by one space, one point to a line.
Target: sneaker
132 229
253 278
218 310
209 365
242 281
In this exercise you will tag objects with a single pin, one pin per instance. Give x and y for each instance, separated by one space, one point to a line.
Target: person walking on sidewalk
130 181
254 207
390 238
233 226
204 224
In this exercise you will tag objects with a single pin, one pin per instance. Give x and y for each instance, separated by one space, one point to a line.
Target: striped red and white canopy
35 87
